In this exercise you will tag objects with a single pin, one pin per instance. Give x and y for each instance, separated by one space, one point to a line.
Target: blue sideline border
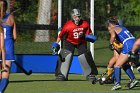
42 63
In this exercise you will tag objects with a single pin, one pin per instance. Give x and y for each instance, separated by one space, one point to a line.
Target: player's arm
58 39
136 45
112 36
12 23
55 45
89 35
62 33
2 47
59 36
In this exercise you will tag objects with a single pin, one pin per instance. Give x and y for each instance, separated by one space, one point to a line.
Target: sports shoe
117 86
132 83
138 68
91 78
61 77
109 81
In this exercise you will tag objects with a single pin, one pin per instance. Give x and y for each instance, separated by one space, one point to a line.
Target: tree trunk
44 17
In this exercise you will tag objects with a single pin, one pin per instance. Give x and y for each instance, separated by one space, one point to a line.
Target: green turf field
45 83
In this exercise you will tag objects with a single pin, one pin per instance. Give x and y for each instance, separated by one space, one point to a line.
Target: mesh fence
36 26
37 22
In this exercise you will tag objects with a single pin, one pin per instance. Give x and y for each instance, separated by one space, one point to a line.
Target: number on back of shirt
128 33
4 32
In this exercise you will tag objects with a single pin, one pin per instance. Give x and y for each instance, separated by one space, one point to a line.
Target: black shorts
82 48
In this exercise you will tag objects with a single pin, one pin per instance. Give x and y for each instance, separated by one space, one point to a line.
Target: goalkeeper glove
55 48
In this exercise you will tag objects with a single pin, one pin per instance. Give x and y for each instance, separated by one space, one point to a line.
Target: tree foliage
27 11
127 10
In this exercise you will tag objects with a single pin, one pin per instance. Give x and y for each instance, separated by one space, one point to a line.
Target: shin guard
88 64
64 63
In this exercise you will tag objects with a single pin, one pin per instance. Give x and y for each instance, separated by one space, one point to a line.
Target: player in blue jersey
134 54
9 28
121 34
2 50
136 46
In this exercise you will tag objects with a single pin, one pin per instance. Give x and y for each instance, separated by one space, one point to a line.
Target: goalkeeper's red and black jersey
75 34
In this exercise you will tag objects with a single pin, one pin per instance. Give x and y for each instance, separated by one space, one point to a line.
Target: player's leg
117 70
64 61
129 72
9 57
87 63
110 68
5 76
136 61
63 65
0 69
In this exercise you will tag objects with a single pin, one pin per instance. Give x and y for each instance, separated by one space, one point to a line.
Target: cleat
91 78
117 86
109 81
138 68
132 84
61 78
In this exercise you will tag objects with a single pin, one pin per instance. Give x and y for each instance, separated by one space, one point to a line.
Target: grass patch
45 83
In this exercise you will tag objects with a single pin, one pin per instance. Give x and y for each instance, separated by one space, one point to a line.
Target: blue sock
113 76
117 73
128 71
3 84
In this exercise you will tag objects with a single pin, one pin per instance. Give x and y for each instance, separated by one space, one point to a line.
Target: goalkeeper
76 32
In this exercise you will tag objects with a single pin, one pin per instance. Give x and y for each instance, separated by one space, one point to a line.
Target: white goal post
91 21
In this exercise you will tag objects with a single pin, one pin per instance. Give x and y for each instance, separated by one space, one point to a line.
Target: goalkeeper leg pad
64 63
88 64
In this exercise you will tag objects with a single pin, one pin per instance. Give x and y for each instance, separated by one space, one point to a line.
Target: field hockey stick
102 75
109 75
117 51
3 70
101 82
23 70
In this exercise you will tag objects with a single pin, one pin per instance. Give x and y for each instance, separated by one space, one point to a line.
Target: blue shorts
127 46
9 50
138 50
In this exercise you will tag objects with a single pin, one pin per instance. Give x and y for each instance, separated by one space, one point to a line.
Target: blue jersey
8 34
124 35
8 40
126 38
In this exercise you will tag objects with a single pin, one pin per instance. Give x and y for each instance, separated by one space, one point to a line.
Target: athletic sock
128 71
117 72
3 84
113 76
109 71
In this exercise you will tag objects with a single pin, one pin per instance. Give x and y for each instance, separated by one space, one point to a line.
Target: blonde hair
1 9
